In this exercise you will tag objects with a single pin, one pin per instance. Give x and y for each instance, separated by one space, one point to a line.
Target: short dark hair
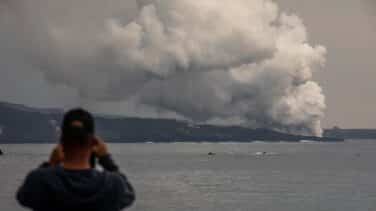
77 128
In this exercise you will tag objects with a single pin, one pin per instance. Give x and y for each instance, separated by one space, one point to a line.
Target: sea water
236 177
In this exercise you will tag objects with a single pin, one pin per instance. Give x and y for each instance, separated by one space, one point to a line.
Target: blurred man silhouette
68 182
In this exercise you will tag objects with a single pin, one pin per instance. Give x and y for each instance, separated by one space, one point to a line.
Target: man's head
78 128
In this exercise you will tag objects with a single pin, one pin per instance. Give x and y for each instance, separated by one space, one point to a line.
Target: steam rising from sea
240 62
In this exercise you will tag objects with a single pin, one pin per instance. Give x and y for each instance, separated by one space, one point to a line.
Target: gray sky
348 29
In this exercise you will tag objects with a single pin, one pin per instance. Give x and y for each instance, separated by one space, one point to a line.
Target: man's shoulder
41 173
110 175
36 176
114 178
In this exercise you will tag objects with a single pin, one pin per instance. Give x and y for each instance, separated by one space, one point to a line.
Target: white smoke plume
227 62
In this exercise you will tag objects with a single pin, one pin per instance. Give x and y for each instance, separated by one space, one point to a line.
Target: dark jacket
57 189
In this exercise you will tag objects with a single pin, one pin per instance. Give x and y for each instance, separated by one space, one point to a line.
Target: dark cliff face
20 124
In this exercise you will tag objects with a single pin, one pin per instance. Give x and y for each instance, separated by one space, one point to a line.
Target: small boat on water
261 153
1 152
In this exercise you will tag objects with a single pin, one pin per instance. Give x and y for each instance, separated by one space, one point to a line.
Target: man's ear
92 142
62 147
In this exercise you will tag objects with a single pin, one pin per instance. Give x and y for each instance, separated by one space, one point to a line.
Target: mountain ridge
23 124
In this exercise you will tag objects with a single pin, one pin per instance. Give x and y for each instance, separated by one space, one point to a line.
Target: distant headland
354 134
21 124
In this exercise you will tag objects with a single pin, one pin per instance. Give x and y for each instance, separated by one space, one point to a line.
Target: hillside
354 134
21 124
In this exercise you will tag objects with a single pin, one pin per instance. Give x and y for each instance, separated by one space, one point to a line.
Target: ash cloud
237 62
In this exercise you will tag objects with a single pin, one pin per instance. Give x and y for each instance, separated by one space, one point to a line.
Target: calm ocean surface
293 177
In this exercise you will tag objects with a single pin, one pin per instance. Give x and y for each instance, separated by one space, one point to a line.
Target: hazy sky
348 29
